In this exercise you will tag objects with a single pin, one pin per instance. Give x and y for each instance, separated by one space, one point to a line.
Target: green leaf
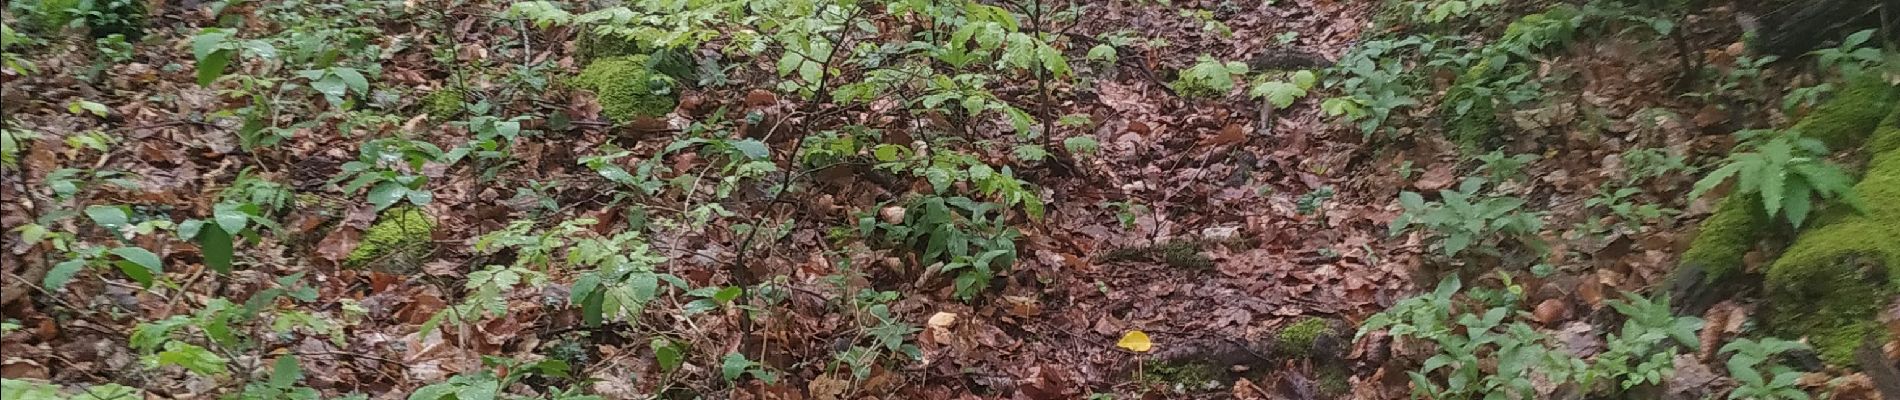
433 392
1456 242
726 295
111 217
212 66
1081 145
352 79
667 354
1031 153
60 274
231 217
96 109
1772 191
285 372
752 148
1715 178
1280 94
1305 79
1102 52
386 194
332 87
216 245
484 389
139 263
734 365
194 358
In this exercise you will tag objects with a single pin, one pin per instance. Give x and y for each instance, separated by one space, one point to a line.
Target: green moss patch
1726 236
1846 119
1184 376
398 242
627 89
445 104
1887 134
1833 281
1297 339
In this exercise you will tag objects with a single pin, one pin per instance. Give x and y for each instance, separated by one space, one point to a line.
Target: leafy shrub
1490 351
969 238
1208 78
1466 217
1786 170
101 18
1752 364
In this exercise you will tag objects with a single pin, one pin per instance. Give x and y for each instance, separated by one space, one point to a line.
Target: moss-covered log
1846 120
1715 257
1830 285
1206 363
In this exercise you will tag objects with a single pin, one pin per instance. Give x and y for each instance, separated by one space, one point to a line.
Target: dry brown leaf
825 387
1438 176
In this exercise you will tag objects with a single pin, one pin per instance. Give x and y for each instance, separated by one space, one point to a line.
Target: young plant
1466 217
1752 364
1208 78
1499 167
391 169
1643 353
1283 93
1478 351
956 235
1617 201
1787 171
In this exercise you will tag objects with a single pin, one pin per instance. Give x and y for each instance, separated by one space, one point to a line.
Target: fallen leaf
825 387
942 320
1551 310
1136 341
1232 134
1438 176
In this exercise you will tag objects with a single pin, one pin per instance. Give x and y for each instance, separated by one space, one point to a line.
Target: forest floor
1214 225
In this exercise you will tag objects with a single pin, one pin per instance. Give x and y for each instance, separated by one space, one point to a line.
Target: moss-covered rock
445 104
398 242
1334 381
1471 120
1297 339
1845 120
1726 236
627 89
1831 284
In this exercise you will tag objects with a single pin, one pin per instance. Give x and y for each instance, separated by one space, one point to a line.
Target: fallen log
1832 283
1714 261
